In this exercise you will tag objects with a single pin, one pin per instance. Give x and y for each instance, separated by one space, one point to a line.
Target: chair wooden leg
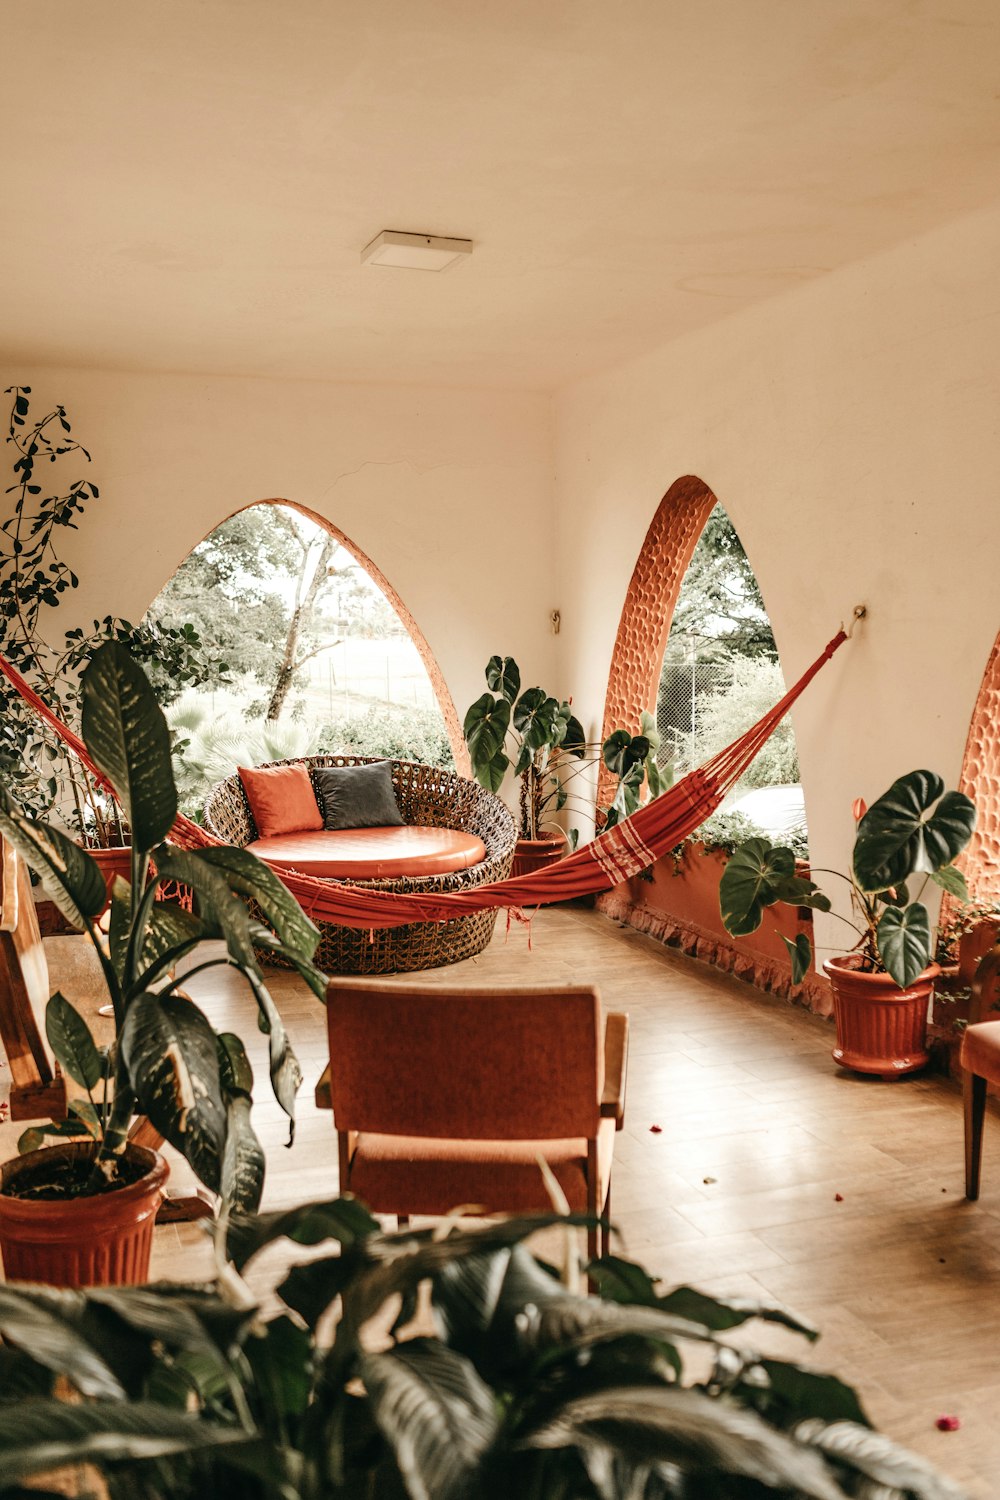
975 1114
606 1233
402 1221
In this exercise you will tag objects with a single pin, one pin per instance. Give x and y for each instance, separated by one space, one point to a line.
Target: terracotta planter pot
881 1029
534 854
113 862
974 946
100 1241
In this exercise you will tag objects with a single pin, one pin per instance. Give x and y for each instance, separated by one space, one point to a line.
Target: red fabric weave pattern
613 856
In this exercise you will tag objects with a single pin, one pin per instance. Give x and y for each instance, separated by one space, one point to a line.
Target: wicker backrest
427 795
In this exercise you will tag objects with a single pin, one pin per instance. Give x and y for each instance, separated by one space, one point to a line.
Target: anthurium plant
166 1061
541 737
508 1384
910 836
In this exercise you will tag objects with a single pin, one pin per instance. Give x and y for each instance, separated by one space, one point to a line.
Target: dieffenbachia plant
508 1384
914 831
166 1062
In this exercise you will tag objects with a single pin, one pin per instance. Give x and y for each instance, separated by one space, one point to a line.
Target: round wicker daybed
427 796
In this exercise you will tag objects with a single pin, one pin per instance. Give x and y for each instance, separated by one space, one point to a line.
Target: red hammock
613 856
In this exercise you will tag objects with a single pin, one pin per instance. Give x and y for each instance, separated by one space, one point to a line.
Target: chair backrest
484 1064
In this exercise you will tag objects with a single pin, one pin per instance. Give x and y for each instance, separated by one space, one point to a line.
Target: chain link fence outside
685 683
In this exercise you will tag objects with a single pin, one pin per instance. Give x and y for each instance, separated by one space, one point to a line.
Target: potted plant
541 736
33 579
511 1383
60 1205
882 987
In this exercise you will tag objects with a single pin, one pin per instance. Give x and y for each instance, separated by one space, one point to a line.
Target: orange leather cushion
281 799
414 1175
981 1050
372 853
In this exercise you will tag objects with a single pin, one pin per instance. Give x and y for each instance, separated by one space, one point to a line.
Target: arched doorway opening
734 677
316 651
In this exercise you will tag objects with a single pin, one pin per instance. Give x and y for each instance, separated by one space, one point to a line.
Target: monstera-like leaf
756 877
485 730
904 942
912 829
503 676
535 715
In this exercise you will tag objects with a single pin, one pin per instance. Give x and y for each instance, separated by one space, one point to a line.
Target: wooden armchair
980 1060
36 1090
447 1097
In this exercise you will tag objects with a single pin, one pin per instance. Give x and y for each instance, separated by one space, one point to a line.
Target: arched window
980 780
316 652
695 639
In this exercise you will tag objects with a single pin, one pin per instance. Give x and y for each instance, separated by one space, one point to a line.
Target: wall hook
860 612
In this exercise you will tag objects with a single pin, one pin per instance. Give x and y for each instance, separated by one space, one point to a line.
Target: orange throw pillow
281 799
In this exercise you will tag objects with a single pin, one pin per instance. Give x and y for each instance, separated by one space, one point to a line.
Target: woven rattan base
399 950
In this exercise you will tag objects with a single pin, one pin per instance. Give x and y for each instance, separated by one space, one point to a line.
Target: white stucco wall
448 492
850 428
852 431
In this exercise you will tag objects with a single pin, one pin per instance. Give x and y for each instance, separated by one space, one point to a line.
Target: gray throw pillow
357 796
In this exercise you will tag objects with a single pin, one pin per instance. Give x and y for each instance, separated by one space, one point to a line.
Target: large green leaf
953 881
218 906
912 828
485 729
45 1324
621 751
572 740
342 1219
286 1075
623 1281
535 715
437 1413
904 942
68 875
879 1459
71 1042
659 1424
757 876
248 876
503 676
795 1393
281 1359
125 731
800 955
38 1436
263 937
169 1050
243 1162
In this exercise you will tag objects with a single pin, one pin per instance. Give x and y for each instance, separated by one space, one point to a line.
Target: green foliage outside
275 592
398 733
757 685
720 603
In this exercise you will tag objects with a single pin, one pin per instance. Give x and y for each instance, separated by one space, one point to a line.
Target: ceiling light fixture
414 252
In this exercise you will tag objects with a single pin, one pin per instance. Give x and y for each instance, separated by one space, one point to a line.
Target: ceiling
189 184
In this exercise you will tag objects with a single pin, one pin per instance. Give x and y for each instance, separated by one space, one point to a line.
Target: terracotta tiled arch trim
444 698
649 605
980 780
